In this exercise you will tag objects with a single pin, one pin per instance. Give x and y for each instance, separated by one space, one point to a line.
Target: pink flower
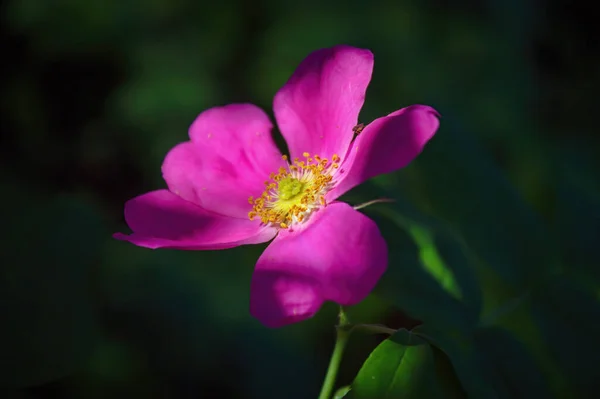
229 185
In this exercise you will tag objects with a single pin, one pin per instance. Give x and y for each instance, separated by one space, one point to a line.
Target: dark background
492 239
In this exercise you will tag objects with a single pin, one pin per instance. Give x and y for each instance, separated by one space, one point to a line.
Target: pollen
292 194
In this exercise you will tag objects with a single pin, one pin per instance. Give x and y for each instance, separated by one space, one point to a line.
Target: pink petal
161 219
318 107
339 256
228 160
385 145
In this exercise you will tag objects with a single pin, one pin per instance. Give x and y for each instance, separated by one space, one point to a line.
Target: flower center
289 187
292 194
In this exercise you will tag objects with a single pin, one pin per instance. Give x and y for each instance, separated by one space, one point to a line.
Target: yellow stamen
292 194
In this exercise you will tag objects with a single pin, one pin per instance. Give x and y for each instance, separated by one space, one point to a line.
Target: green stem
342 336
374 328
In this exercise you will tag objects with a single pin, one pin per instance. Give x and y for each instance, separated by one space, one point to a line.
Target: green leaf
491 362
403 366
441 254
432 262
458 259
471 369
342 392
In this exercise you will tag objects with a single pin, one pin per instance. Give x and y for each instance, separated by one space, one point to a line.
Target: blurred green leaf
342 392
404 366
418 281
432 262
455 180
460 262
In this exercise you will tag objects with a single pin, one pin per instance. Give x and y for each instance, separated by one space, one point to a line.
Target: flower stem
342 335
375 201
374 329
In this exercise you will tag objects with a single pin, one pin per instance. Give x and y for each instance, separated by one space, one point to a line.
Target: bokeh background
492 236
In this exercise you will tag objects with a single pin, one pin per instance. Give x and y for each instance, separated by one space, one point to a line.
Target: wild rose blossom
229 185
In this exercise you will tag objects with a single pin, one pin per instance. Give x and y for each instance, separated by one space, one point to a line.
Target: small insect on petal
358 128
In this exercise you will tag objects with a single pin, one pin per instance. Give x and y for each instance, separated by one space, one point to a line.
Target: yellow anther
292 193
